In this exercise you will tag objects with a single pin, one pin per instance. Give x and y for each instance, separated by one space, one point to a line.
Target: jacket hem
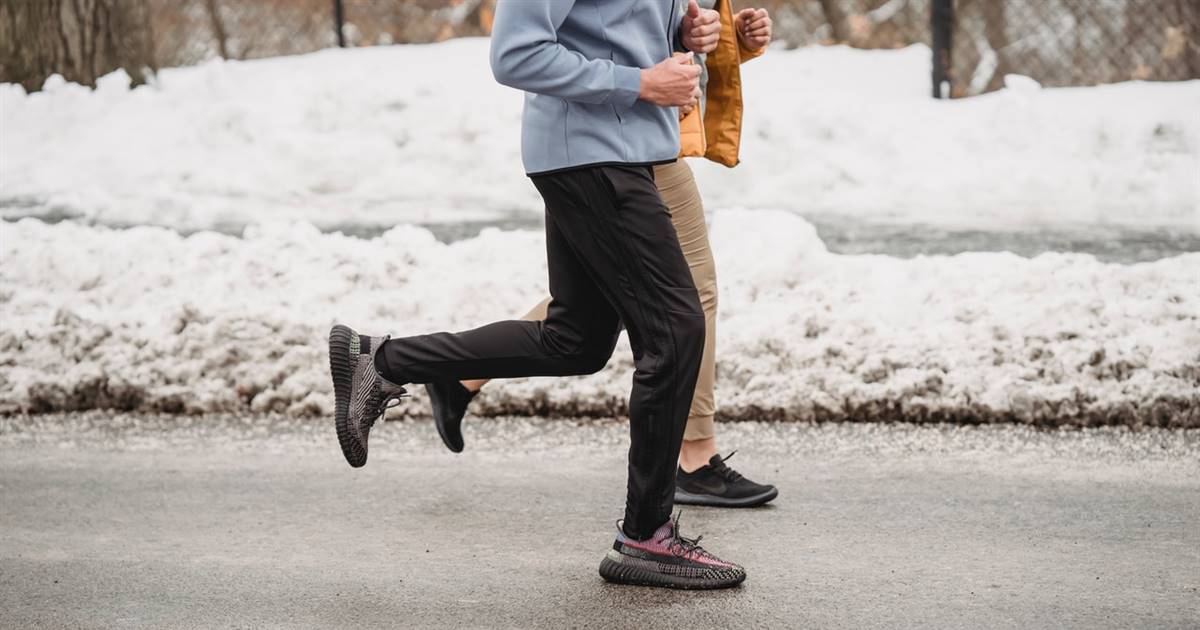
576 167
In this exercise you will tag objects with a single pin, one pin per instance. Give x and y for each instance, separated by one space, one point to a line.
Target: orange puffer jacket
718 136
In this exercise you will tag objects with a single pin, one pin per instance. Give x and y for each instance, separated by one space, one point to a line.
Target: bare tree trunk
995 30
64 41
81 33
148 41
836 19
127 38
1189 22
95 26
218 27
32 47
81 40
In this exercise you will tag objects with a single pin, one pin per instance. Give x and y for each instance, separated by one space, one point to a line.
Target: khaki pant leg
678 189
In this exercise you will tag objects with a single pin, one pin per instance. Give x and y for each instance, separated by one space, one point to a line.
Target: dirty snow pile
395 134
148 319
248 169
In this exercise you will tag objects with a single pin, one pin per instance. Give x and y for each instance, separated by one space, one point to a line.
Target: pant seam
658 312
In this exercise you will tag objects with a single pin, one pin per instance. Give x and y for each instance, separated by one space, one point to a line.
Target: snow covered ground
148 319
422 133
276 153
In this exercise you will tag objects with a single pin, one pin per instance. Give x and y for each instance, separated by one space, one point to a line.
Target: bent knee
592 363
591 356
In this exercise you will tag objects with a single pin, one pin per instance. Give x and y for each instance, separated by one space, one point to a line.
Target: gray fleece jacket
579 62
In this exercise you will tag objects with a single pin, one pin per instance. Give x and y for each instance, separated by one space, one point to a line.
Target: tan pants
678 189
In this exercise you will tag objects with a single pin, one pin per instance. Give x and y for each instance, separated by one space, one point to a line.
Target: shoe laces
678 545
724 471
681 546
385 402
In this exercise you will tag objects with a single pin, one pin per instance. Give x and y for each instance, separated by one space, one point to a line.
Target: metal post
941 24
338 22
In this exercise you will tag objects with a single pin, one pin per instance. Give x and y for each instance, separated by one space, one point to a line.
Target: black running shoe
668 560
360 393
718 485
449 400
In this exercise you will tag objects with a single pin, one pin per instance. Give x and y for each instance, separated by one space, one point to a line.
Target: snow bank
385 135
147 319
150 319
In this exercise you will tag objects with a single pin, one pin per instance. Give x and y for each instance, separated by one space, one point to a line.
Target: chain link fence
189 31
1056 42
1073 42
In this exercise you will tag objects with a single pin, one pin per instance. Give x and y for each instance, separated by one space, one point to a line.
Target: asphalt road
119 521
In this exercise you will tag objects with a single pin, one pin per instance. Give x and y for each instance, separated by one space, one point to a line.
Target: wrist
643 83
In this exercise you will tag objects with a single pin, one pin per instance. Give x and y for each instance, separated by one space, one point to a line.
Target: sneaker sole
343 376
613 570
711 500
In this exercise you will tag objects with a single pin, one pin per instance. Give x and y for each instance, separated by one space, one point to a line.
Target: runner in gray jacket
602 88
580 65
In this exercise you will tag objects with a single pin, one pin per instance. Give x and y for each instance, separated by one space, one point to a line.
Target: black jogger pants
614 260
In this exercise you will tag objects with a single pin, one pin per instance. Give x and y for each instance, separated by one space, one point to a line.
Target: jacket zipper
671 27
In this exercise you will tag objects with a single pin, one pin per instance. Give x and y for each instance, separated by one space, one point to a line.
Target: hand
672 83
701 28
687 108
753 27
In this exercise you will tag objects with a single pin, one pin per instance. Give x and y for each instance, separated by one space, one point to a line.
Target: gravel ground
255 521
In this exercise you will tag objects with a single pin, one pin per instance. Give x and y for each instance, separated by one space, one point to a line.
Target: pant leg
677 187
539 311
679 192
617 223
577 336
612 253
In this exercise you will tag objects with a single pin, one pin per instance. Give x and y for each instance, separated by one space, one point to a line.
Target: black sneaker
449 402
668 560
718 485
360 393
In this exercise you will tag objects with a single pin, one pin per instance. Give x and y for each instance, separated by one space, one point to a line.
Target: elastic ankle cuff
381 367
699 428
647 536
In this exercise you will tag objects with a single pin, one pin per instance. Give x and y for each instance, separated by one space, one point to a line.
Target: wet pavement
134 521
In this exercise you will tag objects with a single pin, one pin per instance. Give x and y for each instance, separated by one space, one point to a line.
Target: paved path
118 521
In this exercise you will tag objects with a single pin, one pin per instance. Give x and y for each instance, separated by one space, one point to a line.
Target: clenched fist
753 27
671 83
701 28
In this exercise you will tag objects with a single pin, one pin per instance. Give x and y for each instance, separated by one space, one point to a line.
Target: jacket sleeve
526 55
745 54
